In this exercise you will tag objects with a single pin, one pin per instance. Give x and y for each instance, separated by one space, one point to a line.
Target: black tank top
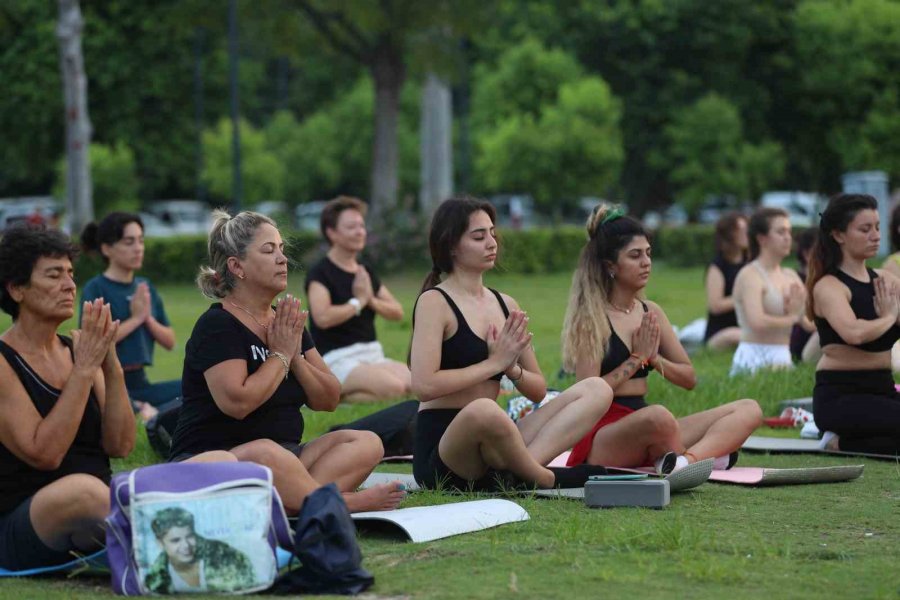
862 301
18 480
464 348
716 323
618 352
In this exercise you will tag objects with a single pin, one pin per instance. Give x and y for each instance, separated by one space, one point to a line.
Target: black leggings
431 472
862 407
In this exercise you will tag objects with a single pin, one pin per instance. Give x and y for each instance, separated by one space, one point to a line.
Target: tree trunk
388 74
79 202
436 144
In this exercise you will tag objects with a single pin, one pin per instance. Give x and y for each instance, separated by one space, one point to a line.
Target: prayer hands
795 299
506 344
645 339
140 302
286 330
362 286
94 345
887 298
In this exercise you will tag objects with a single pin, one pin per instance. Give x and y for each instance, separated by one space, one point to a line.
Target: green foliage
684 246
707 154
113 176
263 174
330 151
850 79
524 79
555 134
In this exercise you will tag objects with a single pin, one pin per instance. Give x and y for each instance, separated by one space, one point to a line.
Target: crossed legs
645 435
482 436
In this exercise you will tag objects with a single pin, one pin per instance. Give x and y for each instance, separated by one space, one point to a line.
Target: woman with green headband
612 331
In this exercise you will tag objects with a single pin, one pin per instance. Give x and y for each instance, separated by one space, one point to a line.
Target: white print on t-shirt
259 353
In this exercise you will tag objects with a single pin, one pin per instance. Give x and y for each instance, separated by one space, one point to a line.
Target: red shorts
581 450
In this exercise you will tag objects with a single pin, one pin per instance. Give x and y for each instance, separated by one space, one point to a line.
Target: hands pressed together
362 286
507 343
887 298
140 302
94 345
645 339
286 330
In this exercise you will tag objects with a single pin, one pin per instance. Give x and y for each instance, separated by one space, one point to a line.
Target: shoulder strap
644 304
502 303
8 353
452 304
872 274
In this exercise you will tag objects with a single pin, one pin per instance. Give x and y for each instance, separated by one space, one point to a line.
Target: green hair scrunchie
613 214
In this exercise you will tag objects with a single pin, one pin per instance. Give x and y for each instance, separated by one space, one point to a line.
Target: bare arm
588 367
385 305
323 390
530 382
428 380
716 300
672 360
325 314
238 394
832 302
163 334
118 425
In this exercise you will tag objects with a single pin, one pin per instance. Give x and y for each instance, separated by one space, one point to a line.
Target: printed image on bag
209 543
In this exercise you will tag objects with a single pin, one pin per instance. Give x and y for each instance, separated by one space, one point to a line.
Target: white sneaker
809 431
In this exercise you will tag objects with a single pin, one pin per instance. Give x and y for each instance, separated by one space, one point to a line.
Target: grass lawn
838 540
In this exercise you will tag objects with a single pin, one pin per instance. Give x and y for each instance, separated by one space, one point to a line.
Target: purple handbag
195 527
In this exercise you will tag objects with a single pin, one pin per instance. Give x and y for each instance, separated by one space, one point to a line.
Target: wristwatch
356 304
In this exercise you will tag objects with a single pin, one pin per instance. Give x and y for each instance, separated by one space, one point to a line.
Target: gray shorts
294 447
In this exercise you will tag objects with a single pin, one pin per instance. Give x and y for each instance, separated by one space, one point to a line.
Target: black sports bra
464 348
862 301
618 352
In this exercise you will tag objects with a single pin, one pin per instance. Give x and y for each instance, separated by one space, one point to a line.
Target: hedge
177 259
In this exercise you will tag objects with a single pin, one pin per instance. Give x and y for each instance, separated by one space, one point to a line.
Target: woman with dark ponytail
465 338
856 310
119 239
610 330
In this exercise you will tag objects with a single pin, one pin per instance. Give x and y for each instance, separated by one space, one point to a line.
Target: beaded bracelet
642 362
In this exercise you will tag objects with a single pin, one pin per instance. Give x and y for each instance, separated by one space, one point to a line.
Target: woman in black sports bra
856 311
465 338
606 309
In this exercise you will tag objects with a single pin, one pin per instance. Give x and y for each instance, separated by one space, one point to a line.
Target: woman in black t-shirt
722 331
248 369
64 408
344 297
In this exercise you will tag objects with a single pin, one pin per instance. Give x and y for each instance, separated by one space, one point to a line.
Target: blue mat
97 562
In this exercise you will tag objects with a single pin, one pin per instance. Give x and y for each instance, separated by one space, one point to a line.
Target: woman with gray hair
249 367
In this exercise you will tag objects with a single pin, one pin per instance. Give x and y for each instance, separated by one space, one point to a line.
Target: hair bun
89 237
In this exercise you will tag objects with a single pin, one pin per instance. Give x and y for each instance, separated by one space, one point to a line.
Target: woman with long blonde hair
612 331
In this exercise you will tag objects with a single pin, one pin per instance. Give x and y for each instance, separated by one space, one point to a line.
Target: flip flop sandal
690 476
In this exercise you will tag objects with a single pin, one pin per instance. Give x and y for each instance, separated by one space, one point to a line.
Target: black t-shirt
340 285
219 336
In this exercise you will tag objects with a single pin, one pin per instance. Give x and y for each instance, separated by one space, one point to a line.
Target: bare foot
833 444
385 496
146 411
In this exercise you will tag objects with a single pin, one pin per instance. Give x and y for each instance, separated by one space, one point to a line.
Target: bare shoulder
431 302
656 309
509 301
829 284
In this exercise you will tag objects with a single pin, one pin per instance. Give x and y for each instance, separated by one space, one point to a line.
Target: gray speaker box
648 493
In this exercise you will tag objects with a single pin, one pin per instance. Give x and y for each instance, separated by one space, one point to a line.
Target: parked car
802 207
31 209
715 207
309 214
165 218
514 211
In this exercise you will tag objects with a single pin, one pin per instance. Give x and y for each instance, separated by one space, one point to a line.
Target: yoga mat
427 523
682 479
758 443
97 562
759 476
93 562
411 486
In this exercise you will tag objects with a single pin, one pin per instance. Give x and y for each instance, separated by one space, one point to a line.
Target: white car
166 218
802 207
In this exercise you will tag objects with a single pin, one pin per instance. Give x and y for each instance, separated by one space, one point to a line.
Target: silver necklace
265 327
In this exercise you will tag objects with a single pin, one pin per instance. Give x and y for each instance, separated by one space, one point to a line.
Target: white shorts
749 357
343 360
